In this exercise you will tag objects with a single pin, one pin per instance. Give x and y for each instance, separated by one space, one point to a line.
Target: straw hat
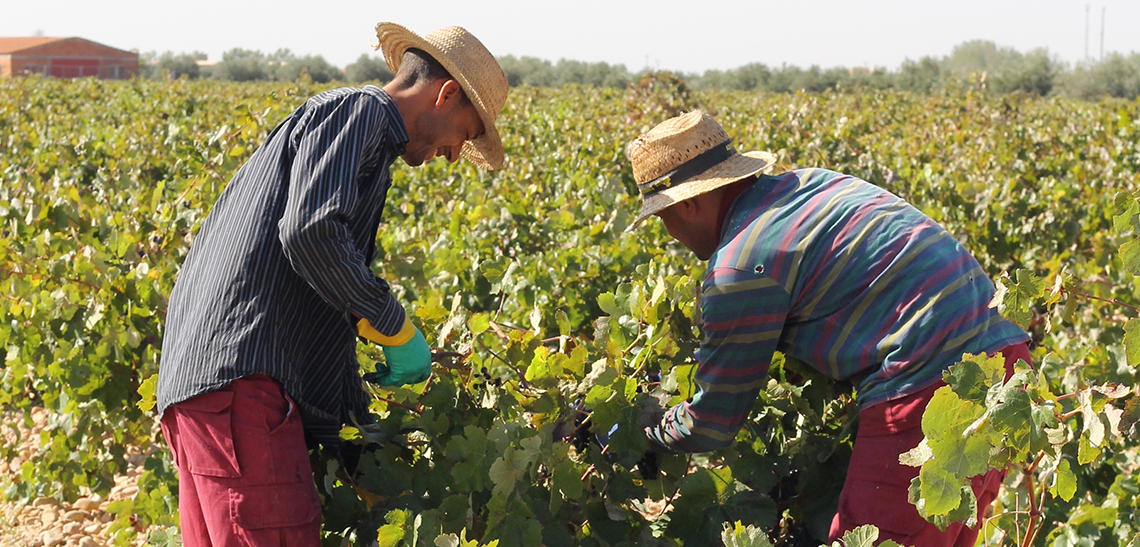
470 64
684 157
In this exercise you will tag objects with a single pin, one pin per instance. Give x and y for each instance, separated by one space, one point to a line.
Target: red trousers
877 485
243 468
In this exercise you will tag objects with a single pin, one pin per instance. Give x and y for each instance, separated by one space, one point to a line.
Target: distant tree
749 77
981 55
1007 70
242 65
527 70
606 75
922 76
579 72
148 63
1037 73
177 65
368 68
1115 76
315 66
785 79
878 78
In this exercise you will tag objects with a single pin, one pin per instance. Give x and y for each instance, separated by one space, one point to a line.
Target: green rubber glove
408 363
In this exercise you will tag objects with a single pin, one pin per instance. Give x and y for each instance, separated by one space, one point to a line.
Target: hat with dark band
470 64
684 157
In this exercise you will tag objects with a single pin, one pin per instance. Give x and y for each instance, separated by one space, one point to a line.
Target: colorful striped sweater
842 275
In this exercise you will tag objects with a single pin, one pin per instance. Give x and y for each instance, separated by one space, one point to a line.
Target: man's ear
449 92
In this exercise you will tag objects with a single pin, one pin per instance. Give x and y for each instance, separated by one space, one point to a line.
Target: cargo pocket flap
275 505
212 402
205 427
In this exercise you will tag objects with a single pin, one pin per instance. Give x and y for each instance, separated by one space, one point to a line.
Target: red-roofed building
65 58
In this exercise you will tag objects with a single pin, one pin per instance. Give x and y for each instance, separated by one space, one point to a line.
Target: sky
688 37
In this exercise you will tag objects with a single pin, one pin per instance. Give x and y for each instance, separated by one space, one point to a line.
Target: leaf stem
522 379
1108 300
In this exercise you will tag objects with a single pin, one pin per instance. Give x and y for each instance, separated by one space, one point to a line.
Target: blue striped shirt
843 276
281 263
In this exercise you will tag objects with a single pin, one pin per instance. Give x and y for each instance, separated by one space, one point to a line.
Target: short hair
417 66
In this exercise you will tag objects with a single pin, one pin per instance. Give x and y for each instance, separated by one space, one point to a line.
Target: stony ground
48 522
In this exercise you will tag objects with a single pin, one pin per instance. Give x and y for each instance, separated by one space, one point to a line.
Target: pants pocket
276 514
205 432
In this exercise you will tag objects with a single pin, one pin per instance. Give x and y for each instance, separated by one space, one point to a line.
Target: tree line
1004 70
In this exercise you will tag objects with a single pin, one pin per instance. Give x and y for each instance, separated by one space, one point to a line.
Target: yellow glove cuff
365 330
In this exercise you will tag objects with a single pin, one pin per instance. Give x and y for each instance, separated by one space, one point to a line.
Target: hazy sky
665 34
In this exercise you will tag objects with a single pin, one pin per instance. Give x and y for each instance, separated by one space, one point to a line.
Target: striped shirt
843 276
281 264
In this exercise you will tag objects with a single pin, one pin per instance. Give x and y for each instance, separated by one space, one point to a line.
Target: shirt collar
397 129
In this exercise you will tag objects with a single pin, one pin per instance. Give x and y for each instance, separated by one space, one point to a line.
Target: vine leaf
147 392
1130 256
1064 482
863 536
1132 341
1014 299
390 534
738 535
973 376
1130 419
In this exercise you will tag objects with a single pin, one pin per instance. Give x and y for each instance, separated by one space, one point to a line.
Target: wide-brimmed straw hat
684 157
470 64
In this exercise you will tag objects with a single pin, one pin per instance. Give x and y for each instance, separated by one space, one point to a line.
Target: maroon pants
877 485
243 469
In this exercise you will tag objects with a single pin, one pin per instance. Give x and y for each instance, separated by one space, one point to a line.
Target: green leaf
479 323
948 415
1103 515
563 322
1130 419
1126 221
1093 427
863 536
1014 300
608 303
738 535
941 490
972 377
1064 482
566 484
966 511
1132 341
964 457
1086 451
390 534
1130 256
1022 422
147 392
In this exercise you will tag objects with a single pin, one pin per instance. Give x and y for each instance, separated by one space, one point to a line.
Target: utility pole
1086 32
1102 10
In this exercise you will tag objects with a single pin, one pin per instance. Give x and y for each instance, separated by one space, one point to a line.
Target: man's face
441 131
686 224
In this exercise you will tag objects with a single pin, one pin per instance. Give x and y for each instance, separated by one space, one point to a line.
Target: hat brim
486 150
726 172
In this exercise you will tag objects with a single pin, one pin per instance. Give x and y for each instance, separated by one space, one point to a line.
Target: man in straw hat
259 348
835 272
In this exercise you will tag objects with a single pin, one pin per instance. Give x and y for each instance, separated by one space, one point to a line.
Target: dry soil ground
48 522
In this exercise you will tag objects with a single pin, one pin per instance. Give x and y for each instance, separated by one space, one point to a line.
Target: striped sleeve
743 312
323 198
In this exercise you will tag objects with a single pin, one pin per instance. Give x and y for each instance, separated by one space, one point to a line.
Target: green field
526 274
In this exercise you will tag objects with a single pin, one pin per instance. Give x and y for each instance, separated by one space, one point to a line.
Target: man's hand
409 363
407 354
